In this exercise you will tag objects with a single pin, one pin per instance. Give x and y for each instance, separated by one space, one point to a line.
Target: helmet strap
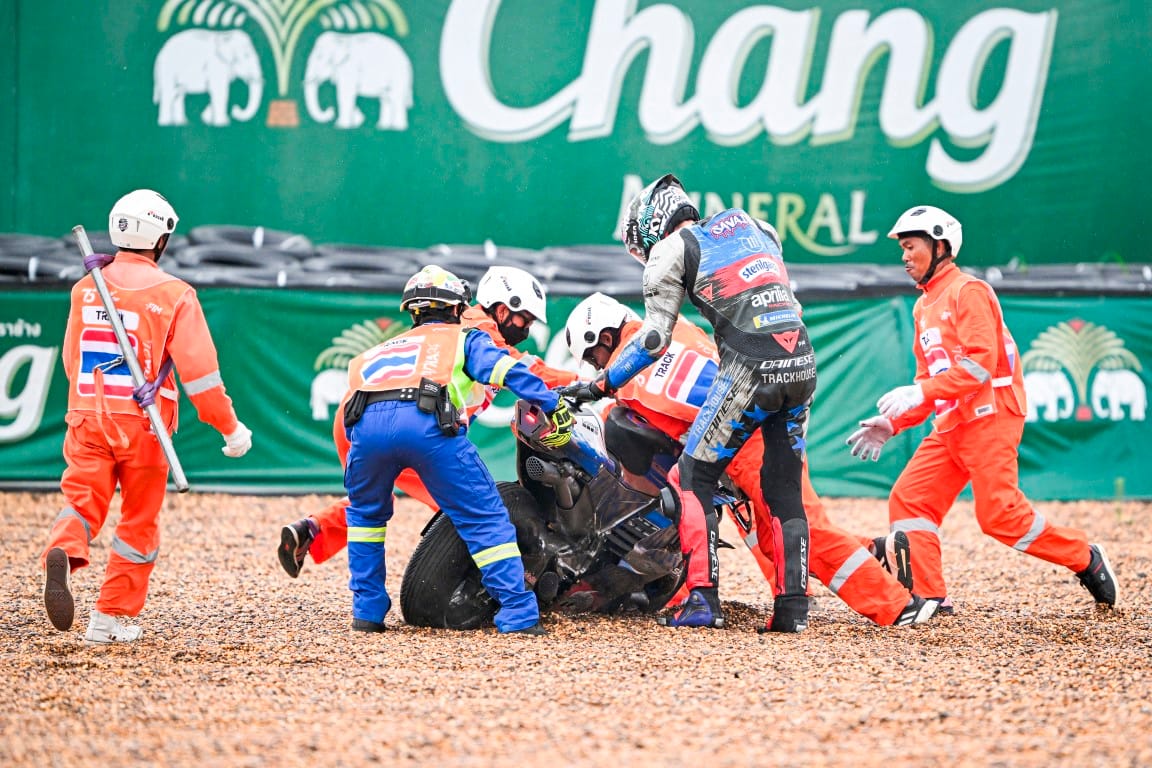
937 260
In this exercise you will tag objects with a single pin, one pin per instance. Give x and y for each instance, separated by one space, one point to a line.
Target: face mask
513 334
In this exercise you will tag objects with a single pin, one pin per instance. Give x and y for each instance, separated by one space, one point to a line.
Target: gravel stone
240 665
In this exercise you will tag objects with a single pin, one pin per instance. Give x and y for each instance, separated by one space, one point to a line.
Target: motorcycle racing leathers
670 395
730 266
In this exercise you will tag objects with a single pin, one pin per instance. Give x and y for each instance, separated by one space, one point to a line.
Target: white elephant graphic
328 388
1051 391
364 64
1112 390
206 61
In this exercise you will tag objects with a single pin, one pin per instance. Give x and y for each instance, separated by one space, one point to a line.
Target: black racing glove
588 391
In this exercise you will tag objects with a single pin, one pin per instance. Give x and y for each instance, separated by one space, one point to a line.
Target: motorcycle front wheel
441 586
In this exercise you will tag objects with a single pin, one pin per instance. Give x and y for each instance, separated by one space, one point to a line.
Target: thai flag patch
98 349
682 375
392 360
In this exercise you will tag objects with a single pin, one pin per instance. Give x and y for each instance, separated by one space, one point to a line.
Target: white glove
237 443
900 400
868 441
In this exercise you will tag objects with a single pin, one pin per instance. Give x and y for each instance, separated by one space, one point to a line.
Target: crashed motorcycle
595 524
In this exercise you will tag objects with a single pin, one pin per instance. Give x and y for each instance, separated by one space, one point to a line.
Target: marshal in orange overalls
968 368
109 439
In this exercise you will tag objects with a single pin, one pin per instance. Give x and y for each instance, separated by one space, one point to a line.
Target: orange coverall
968 368
109 438
837 559
333 534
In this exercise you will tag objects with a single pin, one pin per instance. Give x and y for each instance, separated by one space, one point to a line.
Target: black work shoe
1099 578
535 631
58 601
701 609
364 625
895 554
295 539
917 611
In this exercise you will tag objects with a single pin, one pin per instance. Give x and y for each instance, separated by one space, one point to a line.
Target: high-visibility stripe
69 512
1038 523
1002 381
204 383
131 554
845 571
493 554
974 369
500 370
916 524
367 535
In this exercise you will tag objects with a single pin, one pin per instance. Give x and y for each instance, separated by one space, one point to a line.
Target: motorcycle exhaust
547 474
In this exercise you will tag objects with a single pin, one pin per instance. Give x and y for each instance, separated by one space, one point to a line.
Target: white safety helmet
515 289
591 316
140 219
932 221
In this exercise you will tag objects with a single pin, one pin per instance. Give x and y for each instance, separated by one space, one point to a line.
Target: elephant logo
1050 392
365 64
206 61
331 381
1060 364
214 52
1115 390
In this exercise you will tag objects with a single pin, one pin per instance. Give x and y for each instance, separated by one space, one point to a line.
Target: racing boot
917 611
789 614
1099 578
895 554
701 609
295 539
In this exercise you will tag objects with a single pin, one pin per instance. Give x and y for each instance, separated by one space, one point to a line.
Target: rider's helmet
591 316
515 289
434 288
654 213
139 219
931 221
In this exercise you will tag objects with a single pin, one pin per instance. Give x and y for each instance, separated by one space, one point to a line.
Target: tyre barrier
255 237
368 259
218 255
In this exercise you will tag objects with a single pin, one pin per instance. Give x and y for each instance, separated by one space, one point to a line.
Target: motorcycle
595 524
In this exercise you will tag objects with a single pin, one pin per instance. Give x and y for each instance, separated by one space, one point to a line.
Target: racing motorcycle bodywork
595 524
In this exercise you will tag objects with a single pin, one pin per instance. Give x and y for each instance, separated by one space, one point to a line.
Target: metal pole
153 411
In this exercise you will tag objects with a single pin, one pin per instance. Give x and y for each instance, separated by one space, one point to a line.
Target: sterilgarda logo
331 366
1080 370
215 44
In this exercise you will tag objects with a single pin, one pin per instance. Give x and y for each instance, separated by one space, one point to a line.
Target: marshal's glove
868 441
900 400
562 421
588 391
238 443
95 260
145 394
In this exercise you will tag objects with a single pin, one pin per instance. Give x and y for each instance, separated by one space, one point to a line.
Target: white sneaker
105 630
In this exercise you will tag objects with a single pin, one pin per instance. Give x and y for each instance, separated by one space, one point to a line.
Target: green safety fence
283 353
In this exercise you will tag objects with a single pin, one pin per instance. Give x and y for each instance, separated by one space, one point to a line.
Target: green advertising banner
283 356
530 122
